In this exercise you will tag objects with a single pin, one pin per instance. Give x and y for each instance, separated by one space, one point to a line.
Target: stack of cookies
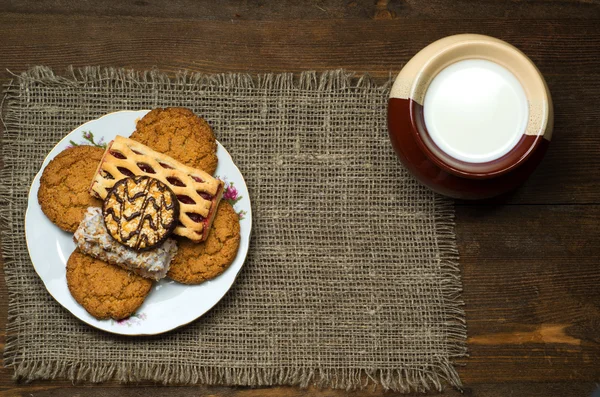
146 208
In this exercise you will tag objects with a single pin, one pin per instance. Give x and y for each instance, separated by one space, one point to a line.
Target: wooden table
530 261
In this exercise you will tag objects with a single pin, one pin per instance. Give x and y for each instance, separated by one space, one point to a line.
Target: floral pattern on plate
232 196
134 319
169 305
88 139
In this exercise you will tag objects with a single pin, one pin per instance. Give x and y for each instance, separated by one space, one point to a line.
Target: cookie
105 290
195 263
198 192
140 212
179 133
93 239
63 193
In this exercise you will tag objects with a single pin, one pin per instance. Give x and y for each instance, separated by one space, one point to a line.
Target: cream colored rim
417 74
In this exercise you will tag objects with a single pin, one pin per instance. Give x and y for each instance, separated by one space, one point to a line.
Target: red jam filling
167 166
175 181
185 199
197 179
146 168
125 171
195 217
118 155
204 195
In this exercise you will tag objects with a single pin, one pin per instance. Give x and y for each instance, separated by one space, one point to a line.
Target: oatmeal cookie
195 263
63 193
105 290
179 133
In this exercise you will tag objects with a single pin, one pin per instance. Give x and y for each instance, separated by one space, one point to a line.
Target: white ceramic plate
169 305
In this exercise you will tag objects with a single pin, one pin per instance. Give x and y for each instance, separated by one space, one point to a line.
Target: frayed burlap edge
420 379
402 380
192 81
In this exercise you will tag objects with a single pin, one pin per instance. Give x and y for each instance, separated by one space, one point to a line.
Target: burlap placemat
352 274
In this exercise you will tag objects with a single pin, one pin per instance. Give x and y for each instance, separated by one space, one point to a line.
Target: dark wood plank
314 9
559 47
488 390
566 51
530 273
531 278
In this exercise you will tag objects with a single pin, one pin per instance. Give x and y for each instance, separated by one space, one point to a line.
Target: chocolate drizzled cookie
140 212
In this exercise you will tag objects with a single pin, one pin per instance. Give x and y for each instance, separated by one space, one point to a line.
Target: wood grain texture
313 9
531 278
565 51
378 47
519 389
530 259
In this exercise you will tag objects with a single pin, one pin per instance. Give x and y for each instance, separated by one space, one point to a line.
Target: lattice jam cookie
198 193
